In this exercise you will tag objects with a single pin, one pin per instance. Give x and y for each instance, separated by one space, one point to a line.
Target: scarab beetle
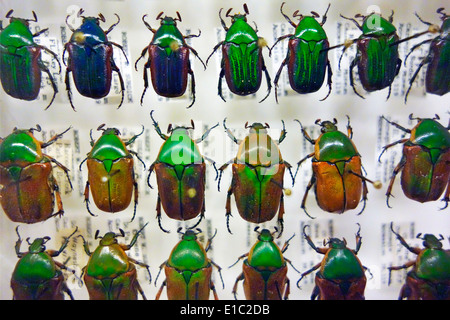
110 273
264 270
242 60
341 275
28 187
437 78
168 59
111 177
425 162
377 55
337 170
188 270
91 59
430 277
307 55
37 276
258 176
20 60
180 173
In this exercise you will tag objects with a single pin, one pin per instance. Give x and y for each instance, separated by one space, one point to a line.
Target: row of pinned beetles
28 188
90 57
110 273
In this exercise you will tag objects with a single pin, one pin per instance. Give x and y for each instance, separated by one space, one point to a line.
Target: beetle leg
277 76
219 86
316 293
191 73
61 166
195 53
134 239
230 134
239 278
405 266
221 20
64 244
158 214
213 289
228 206
446 197
397 169
287 290
149 174
404 243
286 17
18 244
69 91
358 239
280 215
354 21
85 246
86 198
40 32
44 68
238 259
161 289
219 269
308 187
269 82
139 288
397 70
391 145
317 266
424 61
144 51
142 264
300 163
329 79
350 73
221 169
54 138
115 24
205 134
214 50
136 194
122 84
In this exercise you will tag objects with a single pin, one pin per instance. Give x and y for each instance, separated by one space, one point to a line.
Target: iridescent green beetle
430 277
110 273
264 270
341 275
111 176
37 276
188 270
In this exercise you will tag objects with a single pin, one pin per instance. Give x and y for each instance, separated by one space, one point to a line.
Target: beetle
430 277
264 271
110 273
168 59
242 60
111 175
37 276
180 173
437 78
188 270
258 176
20 60
307 55
377 55
28 187
91 59
341 275
337 170
425 161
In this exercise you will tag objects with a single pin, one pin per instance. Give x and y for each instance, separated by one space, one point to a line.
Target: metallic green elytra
242 60
341 275
429 279
110 273
188 270
264 270
37 276
28 188
425 162
377 55
181 174
20 60
307 55
111 176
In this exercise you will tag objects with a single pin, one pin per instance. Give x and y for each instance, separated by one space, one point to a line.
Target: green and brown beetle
29 188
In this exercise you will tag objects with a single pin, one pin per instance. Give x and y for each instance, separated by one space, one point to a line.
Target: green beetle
110 273
258 176
337 170
188 270
264 270
181 174
111 175
28 187
242 60
377 55
425 162
430 277
37 276
20 60
341 275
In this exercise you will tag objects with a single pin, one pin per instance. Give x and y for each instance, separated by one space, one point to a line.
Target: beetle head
24 21
238 15
109 238
327 126
265 235
257 127
190 234
38 245
335 243
430 241
168 20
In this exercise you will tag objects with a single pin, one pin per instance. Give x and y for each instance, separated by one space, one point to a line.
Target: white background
379 249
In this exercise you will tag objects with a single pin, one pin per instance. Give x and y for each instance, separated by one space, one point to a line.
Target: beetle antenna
436 117
28 240
178 17
179 230
34 17
256 230
122 233
318 121
159 15
101 17
46 239
297 14
419 236
100 127
228 12
246 125
96 235
80 13
315 14
246 9
8 15
441 12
